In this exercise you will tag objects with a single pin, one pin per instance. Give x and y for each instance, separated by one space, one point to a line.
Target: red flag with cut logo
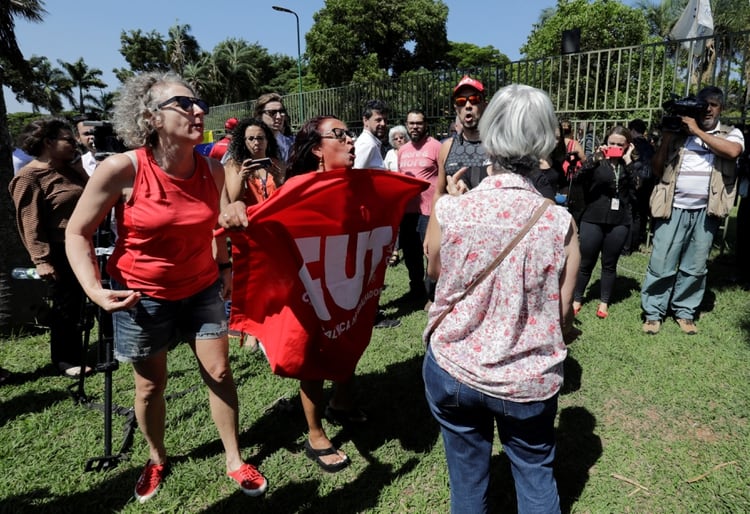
309 269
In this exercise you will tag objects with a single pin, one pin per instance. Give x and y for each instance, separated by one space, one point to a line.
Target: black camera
105 140
675 108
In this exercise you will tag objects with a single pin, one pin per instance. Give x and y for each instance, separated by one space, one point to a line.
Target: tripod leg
86 323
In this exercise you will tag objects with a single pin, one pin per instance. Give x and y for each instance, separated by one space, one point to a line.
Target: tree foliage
403 36
234 71
11 58
603 24
81 78
144 52
469 55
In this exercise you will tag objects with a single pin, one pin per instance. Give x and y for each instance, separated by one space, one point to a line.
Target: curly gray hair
135 104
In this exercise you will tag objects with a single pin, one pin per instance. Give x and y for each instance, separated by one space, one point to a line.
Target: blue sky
91 28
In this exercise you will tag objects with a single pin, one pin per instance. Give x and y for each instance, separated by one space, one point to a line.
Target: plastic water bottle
25 274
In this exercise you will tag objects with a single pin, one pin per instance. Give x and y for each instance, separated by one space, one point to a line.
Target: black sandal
315 456
355 416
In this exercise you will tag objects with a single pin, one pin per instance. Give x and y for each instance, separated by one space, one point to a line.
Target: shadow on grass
404 305
572 374
623 290
28 403
109 496
397 410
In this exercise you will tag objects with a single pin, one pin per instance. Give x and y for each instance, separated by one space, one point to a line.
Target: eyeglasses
461 100
69 139
338 133
274 112
259 139
186 103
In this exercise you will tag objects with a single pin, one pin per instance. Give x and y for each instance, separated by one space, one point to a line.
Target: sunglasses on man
473 99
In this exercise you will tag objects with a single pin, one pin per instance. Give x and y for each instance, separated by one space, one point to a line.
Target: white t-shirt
367 152
691 189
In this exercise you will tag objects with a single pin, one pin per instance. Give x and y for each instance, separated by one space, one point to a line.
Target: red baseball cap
231 123
469 82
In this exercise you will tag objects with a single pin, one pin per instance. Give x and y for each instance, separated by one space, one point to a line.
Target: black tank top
467 153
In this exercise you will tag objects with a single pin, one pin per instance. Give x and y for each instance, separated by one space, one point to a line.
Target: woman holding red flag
323 144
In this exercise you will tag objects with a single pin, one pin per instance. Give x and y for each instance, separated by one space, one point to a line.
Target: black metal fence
594 90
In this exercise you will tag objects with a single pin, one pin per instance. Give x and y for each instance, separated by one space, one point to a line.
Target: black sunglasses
474 99
273 112
186 103
338 133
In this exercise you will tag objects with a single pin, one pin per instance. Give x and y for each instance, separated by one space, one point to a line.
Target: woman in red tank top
169 275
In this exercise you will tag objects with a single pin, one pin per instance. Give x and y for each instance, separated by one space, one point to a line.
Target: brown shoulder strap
494 264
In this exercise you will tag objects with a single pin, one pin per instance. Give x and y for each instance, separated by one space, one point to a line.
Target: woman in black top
609 194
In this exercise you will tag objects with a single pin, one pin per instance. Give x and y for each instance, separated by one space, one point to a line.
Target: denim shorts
154 325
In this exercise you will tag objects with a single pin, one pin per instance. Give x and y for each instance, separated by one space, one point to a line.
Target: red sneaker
149 481
250 480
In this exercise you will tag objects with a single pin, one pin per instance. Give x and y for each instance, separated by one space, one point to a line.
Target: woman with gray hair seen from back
170 277
496 354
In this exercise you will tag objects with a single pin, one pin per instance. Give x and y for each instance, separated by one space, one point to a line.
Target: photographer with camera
695 169
607 181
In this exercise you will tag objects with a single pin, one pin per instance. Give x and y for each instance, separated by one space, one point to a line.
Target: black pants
411 245
65 321
742 244
598 238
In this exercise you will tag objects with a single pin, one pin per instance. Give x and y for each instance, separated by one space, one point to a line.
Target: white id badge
615 204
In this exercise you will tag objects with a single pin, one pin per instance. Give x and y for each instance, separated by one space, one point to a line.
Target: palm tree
13 254
50 84
233 61
81 78
201 74
661 16
104 103
182 48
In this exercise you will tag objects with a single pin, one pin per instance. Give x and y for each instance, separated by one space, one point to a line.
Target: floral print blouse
505 338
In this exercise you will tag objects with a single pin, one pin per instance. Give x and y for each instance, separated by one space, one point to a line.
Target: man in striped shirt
696 169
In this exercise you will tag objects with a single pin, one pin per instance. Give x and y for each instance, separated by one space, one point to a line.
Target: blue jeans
467 418
677 267
153 325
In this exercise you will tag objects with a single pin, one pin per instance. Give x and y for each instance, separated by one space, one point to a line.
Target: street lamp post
299 61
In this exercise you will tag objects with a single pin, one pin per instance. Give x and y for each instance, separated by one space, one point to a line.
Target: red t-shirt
220 148
420 160
165 231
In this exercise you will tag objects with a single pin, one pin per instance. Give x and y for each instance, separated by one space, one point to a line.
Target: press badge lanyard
615 203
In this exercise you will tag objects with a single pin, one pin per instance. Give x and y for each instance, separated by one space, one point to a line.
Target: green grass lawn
653 424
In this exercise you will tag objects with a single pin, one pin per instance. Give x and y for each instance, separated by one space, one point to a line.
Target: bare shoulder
116 171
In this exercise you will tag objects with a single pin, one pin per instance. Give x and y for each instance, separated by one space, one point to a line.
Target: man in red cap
220 147
464 149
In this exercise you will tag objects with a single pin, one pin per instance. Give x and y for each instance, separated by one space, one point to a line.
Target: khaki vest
722 187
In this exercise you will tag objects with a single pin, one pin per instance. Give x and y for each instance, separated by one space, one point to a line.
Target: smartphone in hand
263 163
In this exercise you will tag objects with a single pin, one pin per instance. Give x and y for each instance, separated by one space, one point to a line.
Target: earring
321 164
